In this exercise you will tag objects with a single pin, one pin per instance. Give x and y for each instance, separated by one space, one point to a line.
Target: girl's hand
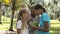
34 28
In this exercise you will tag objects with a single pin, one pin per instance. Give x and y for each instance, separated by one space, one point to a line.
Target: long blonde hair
22 11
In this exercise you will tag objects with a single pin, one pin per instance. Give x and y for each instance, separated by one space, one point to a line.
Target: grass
6 23
55 29
4 26
55 25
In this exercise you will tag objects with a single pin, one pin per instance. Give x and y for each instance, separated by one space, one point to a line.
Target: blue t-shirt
44 17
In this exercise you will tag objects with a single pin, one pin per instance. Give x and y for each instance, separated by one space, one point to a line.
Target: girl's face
40 11
26 15
36 12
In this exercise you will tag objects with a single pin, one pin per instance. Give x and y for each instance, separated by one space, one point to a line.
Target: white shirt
19 26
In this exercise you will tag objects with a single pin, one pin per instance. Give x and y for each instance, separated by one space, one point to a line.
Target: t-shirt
19 26
44 17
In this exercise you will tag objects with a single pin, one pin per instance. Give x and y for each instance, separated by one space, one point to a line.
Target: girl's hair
22 11
44 10
38 6
32 12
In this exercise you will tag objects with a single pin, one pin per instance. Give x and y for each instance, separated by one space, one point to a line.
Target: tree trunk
0 13
59 15
13 9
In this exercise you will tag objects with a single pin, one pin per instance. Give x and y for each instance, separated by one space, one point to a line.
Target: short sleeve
46 17
19 24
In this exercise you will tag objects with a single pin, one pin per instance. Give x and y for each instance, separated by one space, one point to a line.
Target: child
44 19
33 21
23 16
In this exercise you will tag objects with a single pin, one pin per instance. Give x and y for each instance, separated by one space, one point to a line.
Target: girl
23 16
44 20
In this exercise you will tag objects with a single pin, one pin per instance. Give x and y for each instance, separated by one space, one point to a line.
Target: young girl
44 19
23 16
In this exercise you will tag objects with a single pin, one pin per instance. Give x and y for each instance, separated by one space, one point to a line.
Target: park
10 8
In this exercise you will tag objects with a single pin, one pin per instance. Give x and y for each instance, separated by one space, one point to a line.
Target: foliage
6 2
0 1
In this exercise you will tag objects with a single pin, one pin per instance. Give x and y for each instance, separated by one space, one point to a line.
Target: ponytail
44 10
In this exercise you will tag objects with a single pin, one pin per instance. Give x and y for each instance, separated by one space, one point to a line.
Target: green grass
54 29
4 26
6 23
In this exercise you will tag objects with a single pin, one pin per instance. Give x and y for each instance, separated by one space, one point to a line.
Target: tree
13 9
55 2
15 6
0 11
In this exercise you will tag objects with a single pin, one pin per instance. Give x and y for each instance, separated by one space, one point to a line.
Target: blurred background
10 8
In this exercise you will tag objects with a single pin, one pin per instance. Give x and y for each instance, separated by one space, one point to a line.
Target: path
6 32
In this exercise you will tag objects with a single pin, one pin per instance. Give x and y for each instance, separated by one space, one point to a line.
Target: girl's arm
19 24
18 31
46 20
46 27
